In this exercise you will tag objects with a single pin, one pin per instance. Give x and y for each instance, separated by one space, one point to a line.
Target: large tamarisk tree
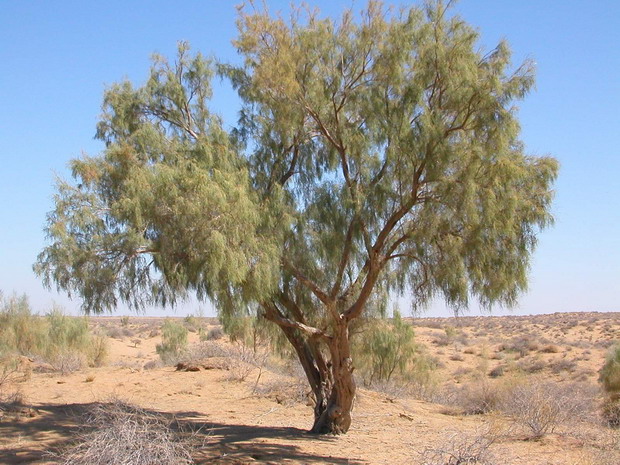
375 155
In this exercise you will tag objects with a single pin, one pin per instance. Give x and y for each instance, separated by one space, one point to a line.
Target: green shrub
61 340
192 323
386 348
21 332
174 340
610 373
609 377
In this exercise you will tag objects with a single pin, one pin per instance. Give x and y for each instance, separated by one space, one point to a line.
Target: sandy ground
237 425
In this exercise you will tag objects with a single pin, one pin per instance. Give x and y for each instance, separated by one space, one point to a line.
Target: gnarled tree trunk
334 417
331 380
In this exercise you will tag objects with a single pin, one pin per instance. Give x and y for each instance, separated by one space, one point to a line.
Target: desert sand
264 420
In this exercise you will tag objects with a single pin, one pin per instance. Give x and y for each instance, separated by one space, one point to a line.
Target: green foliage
174 340
21 332
66 332
386 348
255 334
609 375
382 155
56 338
168 207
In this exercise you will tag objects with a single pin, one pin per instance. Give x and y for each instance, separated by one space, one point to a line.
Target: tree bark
331 381
334 416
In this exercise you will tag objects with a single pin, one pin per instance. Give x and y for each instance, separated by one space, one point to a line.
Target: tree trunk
331 381
334 415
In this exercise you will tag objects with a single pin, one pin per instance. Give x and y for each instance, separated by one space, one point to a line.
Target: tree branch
307 282
273 314
344 259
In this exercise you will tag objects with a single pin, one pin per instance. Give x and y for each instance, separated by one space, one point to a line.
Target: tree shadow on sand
33 435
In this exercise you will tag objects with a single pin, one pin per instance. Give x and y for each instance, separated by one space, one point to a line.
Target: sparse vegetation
541 407
466 388
63 341
462 448
119 433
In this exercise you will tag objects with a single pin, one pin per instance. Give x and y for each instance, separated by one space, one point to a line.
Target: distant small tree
173 341
373 157
385 348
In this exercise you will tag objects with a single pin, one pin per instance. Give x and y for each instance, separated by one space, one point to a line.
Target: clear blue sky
56 58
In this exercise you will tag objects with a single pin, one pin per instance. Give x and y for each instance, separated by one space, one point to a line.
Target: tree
375 155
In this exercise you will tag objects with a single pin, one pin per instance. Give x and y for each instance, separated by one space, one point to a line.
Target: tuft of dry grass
462 448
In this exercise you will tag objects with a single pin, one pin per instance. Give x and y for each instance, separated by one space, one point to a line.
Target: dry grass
119 433
463 448
542 407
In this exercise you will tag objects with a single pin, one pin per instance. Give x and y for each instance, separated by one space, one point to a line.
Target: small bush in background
192 323
214 334
174 341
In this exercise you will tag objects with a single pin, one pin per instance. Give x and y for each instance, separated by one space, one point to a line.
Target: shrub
563 365
21 332
610 373
214 334
174 340
68 343
385 348
611 412
531 366
65 342
120 433
192 323
520 345
459 448
479 397
550 349
9 373
541 407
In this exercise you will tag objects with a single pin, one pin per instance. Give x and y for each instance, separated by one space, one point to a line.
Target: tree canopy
374 155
